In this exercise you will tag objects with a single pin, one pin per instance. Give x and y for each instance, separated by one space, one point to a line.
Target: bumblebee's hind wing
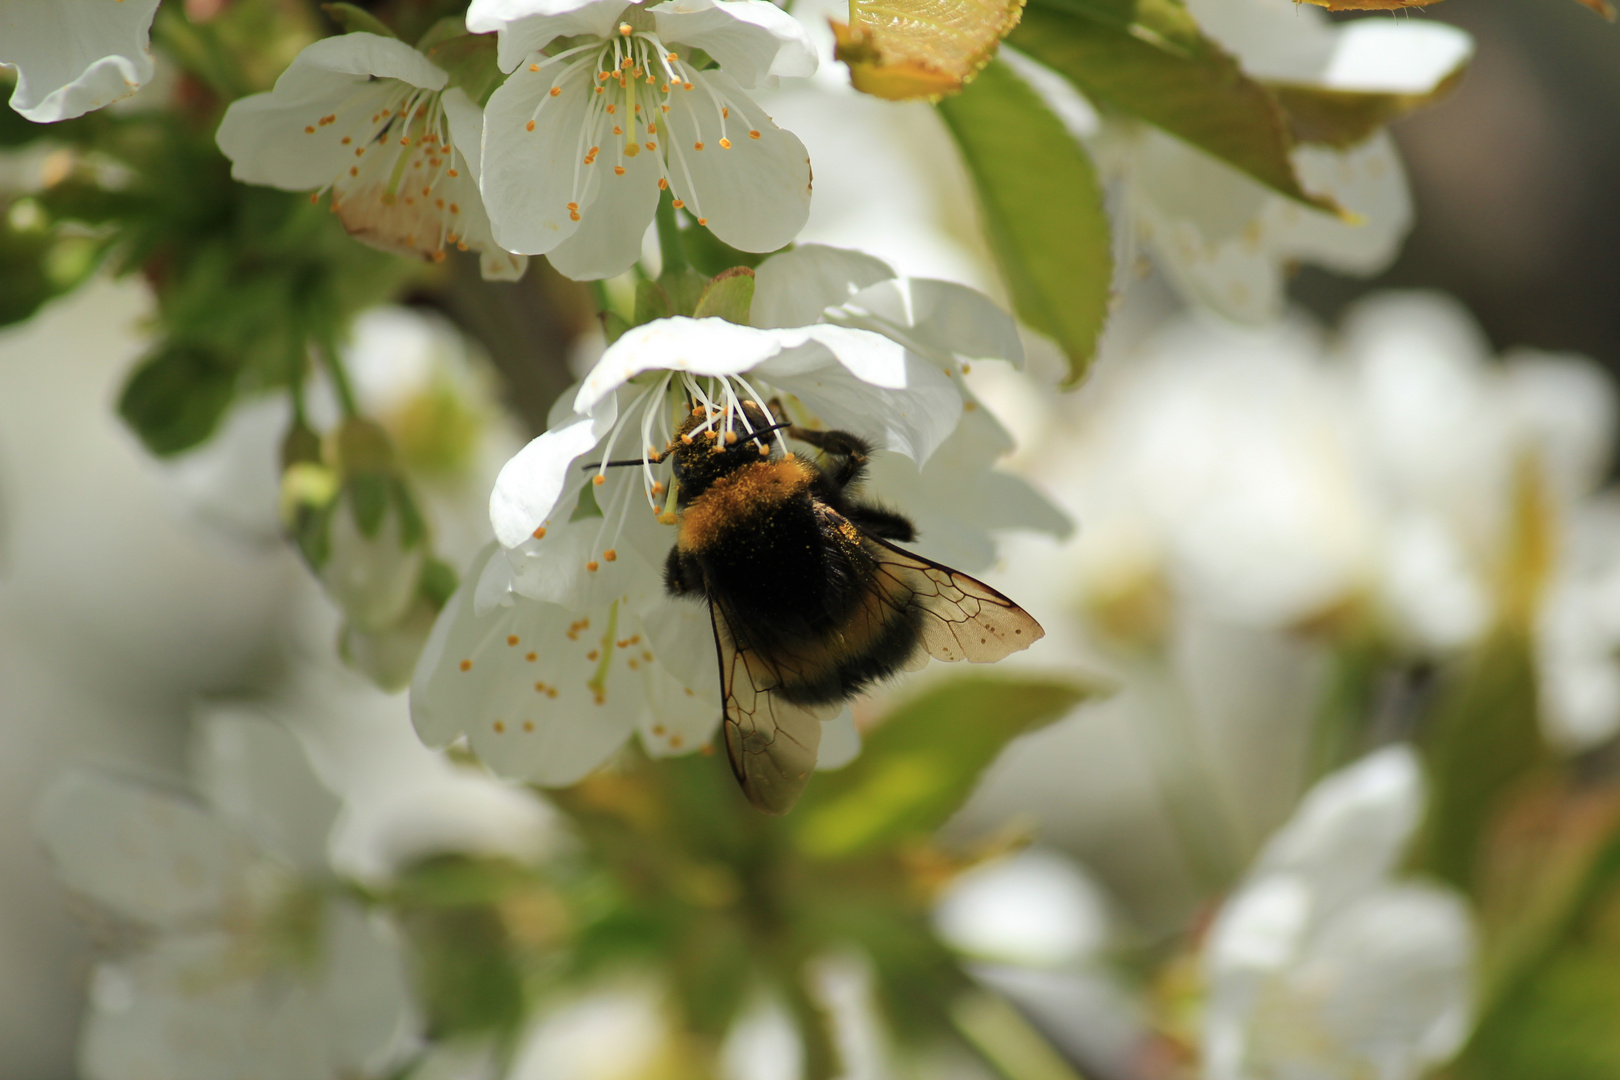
771 741
958 617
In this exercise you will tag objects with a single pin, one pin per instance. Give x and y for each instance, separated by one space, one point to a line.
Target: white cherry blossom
376 123
1276 479
75 56
562 641
1323 965
248 964
581 139
1222 238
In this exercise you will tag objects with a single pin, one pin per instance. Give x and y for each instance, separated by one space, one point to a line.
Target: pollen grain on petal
466 665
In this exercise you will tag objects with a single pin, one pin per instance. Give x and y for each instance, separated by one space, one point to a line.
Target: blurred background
117 611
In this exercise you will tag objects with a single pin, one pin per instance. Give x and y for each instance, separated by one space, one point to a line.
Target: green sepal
301 445
728 296
710 255
683 288
439 582
1043 209
354 19
613 325
922 762
175 398
469 60
368 499
363 446
651 302
413 528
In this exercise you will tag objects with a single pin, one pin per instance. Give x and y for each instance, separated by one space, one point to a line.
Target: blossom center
404 191
631 80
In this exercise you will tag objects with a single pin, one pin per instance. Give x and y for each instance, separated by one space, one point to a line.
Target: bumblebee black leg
851 453
881 523
682 576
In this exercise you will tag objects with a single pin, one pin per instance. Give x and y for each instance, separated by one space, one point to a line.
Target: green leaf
1558 1020
923 761
1482 741
1344 118
1042 209
175 398
1147 58
354 19
728 296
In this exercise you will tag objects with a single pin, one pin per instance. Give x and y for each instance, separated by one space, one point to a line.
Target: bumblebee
810 598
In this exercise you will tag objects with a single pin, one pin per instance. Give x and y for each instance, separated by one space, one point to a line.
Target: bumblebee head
707 447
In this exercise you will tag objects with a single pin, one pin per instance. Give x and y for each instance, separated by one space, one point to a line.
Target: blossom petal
794 287
1395 972
191 1008
527 25
942 320
958 500
607 241
867 384
75 56
755 195
467 133
1351 828
531 173
148 854
527 488
750 39
279 138
538 690
696 346
257 774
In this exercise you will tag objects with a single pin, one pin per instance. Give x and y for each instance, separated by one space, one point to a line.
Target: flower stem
1006 1040
340 379
669 235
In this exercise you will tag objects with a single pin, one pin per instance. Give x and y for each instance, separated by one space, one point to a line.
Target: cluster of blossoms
1396 482
570 155
566 617
1390 484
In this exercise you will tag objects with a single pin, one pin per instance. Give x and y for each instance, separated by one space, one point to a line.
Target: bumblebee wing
960 617
771 741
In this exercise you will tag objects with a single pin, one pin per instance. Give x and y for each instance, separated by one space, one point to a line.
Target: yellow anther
625 28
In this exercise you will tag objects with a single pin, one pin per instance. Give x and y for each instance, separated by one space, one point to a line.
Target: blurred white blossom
1322 965
1223 238
626 90
1276 479
75 56
563 641
247 962
375 122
